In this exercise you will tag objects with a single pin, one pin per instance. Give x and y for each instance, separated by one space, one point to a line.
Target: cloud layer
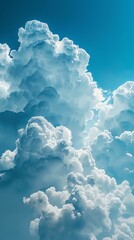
66 150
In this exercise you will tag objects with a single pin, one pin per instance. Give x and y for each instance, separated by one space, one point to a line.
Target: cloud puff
44 159
76 211
115 154
111 137
117 115
6 161
45 154
48 76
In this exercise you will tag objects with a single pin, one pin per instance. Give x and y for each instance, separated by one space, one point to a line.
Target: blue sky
104 28
64 146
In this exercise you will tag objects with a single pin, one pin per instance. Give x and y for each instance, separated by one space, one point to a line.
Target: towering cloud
48 76
67 158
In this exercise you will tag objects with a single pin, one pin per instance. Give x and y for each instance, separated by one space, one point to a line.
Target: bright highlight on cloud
71 169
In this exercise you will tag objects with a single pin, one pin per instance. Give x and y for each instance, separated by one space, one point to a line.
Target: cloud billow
67 152
48 76
113 141
73 193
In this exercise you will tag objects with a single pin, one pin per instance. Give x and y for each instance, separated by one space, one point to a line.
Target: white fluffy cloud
76 211
48 76
44 157
118 114
112 137
6 161
115 154
71 138
45 154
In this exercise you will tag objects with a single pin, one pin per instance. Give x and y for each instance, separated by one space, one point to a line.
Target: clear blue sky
104 28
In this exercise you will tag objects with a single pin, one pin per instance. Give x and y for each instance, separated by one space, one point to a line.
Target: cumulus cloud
117 115
73 193
76 211
74 149
115 154
44 153
48 76
6 161
111 138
